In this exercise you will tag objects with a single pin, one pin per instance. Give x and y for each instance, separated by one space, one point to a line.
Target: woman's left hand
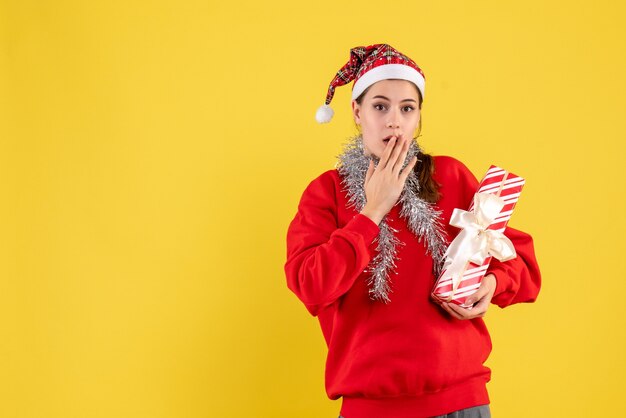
481 299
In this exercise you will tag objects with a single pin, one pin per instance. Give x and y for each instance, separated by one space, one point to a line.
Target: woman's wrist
375 216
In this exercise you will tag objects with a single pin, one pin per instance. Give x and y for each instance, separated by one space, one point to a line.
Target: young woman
367 244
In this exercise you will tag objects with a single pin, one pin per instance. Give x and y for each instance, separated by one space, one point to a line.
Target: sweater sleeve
517 280
323 260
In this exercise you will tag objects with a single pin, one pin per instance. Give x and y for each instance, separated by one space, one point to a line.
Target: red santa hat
367 65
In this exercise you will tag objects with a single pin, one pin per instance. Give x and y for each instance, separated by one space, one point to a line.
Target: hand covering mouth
386 139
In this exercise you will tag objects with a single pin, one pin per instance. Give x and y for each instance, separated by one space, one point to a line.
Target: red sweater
407 358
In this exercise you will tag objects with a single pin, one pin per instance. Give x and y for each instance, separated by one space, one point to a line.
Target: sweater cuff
501 280
364 226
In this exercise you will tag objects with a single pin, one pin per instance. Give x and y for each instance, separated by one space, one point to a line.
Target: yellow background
152 154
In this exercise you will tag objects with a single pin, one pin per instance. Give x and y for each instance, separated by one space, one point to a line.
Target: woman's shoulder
447 162
448 168
324 186
329 178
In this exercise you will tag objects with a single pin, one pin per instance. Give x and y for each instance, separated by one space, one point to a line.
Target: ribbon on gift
476 242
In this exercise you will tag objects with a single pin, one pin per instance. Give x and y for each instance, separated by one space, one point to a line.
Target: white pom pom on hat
324 114
367 65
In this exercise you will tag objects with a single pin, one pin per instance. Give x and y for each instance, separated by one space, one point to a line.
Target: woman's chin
370 154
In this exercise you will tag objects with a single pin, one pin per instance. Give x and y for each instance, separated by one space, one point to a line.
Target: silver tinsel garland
422 218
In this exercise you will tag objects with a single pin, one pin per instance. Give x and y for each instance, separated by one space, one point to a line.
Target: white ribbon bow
475 242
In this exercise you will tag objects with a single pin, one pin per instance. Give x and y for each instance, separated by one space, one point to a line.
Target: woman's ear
356 112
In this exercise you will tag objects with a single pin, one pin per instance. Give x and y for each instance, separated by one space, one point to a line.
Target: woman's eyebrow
405 100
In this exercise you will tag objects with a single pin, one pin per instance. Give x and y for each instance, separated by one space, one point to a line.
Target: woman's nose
393 124
393 120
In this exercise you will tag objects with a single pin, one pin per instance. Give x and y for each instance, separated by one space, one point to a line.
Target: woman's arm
517 280
323 260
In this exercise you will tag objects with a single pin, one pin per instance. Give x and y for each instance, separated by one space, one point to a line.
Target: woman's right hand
384 183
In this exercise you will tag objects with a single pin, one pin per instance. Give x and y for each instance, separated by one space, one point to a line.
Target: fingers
478 311
384 159
385 181
400 156
480 292
398 151
370 171
394 154
452 313
465 313
480 308
408 169
483 294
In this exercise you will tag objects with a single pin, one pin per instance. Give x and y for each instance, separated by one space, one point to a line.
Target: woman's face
390 107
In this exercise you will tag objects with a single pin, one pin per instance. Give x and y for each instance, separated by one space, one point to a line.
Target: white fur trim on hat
385 72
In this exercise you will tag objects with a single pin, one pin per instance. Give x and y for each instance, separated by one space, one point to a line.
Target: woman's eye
407 108
379 107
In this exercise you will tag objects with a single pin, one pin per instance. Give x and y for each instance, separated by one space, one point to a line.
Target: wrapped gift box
481 236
